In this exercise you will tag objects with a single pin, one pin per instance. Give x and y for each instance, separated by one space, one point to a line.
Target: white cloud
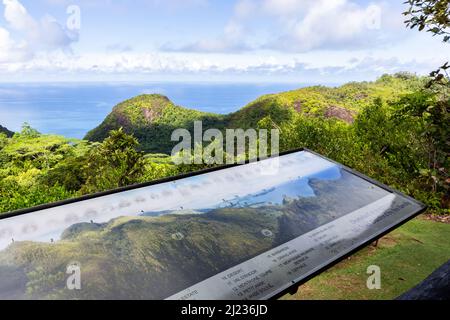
281 66
123 4
244 8
299 26
330 24
232 38
335 23
52 35
10 51
305 40
119 47
287 7
17 16
31 35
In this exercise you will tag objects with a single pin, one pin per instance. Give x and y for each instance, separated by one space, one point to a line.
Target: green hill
383 129
343 102
153 118
8 133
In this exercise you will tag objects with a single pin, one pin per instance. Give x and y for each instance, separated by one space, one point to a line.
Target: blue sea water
74 109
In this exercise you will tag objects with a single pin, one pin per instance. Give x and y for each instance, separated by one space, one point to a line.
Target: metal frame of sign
295 284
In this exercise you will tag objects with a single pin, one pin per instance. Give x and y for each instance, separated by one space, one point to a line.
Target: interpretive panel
236 233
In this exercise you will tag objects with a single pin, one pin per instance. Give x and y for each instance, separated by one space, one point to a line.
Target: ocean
73 109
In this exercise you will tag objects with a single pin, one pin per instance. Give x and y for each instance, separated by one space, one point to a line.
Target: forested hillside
395 129
153 118
6 131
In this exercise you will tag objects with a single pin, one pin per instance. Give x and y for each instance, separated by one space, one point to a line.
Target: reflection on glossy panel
233 233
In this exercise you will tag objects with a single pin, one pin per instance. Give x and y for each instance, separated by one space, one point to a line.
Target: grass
406 257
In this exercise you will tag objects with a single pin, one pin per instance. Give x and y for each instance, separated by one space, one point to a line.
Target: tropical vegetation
395 130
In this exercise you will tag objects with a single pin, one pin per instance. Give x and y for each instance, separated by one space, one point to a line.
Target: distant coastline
72 109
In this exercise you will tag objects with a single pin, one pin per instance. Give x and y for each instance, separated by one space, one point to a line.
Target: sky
330 41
